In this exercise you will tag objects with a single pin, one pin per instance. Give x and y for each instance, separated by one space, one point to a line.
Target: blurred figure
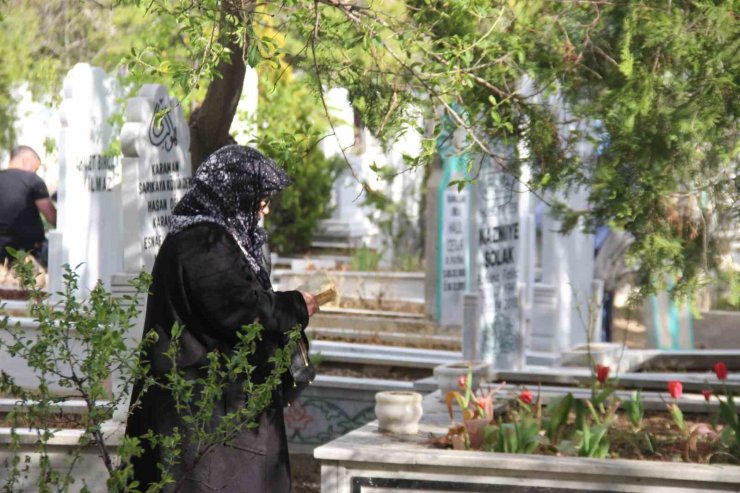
23 195
610 266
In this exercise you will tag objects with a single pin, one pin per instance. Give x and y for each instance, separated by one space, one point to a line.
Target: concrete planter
367 460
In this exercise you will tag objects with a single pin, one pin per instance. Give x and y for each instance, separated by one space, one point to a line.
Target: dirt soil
12 293
657 439
306 473
373 371
54 420
375 338
382 305
666 444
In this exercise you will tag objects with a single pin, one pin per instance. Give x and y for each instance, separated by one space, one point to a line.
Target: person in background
23 195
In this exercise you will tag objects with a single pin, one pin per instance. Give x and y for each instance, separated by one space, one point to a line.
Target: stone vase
398 411
448 376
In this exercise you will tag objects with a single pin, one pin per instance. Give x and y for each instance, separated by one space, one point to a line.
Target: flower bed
366 459
589 426
531 440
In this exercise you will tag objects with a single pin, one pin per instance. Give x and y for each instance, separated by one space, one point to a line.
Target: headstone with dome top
155 140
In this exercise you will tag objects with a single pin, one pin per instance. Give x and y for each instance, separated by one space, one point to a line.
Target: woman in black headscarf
211 277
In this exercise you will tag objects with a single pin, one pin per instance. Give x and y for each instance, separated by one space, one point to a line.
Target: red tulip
602 373
462 381
526 397
707 393
720 369
675 388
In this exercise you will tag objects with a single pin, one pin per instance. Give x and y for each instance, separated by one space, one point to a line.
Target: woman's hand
311 303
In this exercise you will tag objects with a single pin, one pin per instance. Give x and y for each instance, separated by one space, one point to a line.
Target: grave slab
366 460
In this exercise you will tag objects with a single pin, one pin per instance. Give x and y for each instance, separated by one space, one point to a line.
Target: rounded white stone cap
398 397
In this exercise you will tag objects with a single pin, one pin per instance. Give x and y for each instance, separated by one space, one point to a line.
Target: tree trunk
210 123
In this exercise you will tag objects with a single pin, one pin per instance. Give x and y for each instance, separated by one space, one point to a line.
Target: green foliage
408 262
593 441
520 437
654 86
80 346
289 133
557 412
365 259
728 414
678 418
634 409
578 427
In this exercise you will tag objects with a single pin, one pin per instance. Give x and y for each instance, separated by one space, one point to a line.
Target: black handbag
300 374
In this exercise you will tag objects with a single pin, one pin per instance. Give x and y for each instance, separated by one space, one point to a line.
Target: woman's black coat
201 281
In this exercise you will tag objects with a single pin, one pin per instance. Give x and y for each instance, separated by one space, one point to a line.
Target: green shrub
296 211
85 345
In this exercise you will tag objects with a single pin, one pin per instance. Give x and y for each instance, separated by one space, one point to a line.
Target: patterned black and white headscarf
227 190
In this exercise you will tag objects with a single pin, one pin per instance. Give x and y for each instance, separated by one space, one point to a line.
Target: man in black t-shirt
23 195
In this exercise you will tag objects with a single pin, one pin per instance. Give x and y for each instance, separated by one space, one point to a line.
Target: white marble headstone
453 229
156 172
89 219
502 237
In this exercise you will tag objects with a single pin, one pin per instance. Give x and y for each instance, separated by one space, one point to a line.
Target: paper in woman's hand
326 296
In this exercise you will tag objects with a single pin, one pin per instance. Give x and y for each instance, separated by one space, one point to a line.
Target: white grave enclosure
156 172
454 264
244 126
89 218
352 223
529 300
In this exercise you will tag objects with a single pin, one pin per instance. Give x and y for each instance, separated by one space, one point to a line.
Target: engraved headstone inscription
89 218
156 172
501 238
453 253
